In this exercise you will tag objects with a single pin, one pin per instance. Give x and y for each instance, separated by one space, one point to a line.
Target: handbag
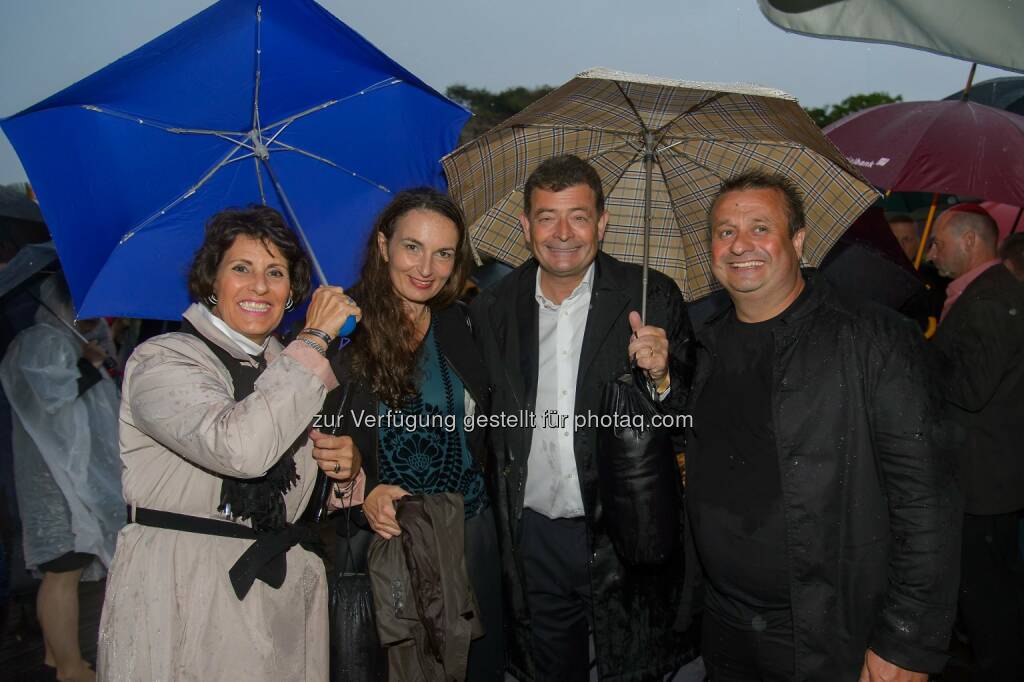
356 653
638 475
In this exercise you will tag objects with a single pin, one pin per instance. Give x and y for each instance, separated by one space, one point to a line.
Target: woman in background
67 471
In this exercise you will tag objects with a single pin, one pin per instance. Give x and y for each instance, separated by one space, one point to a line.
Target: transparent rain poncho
67 466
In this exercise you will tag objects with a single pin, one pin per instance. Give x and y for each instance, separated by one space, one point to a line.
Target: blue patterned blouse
422 445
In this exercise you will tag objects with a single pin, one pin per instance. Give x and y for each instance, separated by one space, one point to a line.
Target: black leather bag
356 653
639 478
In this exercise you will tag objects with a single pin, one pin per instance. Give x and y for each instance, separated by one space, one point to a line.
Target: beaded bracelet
315 346
318 333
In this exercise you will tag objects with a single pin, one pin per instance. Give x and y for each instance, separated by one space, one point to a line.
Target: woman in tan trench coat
216 462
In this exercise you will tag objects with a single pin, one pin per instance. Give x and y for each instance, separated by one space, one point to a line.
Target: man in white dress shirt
554 332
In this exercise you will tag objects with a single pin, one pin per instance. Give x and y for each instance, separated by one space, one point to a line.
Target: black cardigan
455 337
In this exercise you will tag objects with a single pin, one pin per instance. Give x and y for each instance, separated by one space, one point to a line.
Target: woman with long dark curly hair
413 364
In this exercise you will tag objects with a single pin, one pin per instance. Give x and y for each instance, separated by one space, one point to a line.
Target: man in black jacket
553 333
825 521
979 349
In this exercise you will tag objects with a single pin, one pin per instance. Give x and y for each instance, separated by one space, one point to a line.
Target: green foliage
491 108
831 113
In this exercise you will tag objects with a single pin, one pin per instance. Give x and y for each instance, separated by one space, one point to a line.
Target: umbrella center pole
649 144
294 219
259 147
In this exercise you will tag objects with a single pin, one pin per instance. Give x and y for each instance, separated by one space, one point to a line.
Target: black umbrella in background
21 222
868 263
15 203
1001 93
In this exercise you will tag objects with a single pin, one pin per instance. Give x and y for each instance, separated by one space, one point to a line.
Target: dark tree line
830 113
491 108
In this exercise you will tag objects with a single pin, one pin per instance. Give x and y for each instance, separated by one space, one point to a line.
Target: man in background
1012 254
979 356
904 228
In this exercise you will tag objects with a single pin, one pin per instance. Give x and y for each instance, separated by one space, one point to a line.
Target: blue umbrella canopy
250 101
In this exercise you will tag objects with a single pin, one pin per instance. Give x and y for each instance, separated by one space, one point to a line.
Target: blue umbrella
272 101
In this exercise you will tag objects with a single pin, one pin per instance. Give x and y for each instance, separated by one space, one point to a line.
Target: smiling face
752 253
563 231
420 255
252 287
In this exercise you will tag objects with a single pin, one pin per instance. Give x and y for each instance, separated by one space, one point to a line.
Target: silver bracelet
318 333
315 346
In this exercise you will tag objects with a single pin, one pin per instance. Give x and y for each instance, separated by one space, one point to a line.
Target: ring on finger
337 467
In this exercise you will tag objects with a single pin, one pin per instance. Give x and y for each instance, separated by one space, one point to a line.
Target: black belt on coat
265 558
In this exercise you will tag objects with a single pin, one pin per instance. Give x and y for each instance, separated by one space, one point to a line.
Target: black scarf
259 499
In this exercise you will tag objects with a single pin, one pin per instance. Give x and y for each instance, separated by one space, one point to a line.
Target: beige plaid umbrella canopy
662 148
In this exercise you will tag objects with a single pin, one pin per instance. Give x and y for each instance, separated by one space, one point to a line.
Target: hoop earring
212 300
289 304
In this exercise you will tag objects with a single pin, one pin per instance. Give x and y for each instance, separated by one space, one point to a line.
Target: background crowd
845 500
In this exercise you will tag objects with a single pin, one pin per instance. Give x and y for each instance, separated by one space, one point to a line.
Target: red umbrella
1008 218
946 147
943 147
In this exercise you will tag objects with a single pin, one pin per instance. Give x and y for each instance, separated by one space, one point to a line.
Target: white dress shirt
552 484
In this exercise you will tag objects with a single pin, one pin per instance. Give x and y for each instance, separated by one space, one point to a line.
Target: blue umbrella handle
347 327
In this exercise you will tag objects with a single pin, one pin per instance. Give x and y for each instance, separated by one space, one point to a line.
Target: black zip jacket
872 511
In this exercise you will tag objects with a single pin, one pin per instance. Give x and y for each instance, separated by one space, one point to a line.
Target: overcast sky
46 45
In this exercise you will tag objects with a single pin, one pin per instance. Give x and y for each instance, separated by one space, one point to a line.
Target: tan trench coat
170 611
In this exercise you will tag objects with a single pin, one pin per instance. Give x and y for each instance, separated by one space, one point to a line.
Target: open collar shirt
552 482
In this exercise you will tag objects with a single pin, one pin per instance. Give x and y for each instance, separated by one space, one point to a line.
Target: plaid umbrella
662 148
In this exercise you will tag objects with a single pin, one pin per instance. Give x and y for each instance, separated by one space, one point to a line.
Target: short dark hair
258 222
756 179
561 172
1013 251
973 217
900 218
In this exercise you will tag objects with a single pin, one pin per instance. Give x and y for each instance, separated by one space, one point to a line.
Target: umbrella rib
240 142
228 158
668 190
160 126
689 158
291 119
575 129
711 138
388 82
639 119
611 150
695 107
289 148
